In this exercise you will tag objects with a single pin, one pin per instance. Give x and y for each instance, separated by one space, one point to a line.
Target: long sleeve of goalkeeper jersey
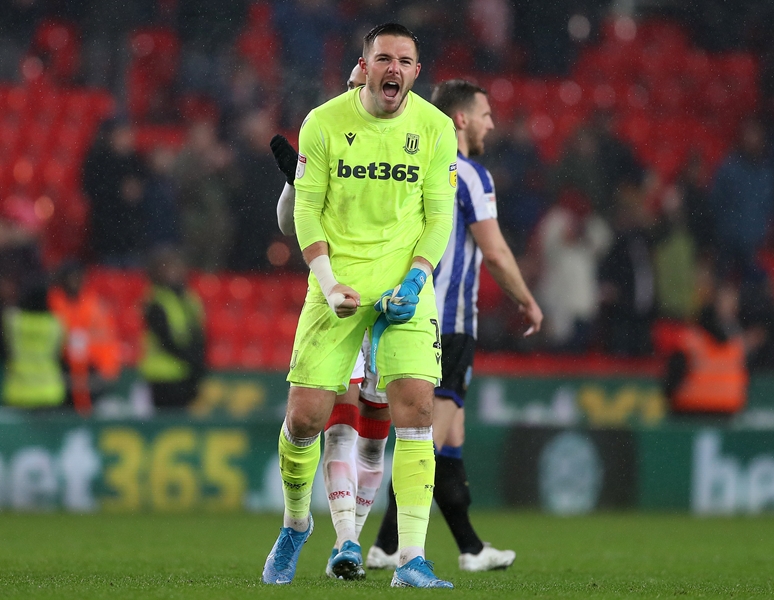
438 197
306 215
311 183
438 226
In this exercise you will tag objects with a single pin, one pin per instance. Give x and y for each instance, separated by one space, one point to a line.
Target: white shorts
368 392
358 373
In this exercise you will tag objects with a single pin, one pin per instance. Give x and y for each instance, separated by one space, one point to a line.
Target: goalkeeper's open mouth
391 89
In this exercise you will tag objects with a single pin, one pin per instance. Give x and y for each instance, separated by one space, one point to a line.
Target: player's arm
500 262
342 299
287 159
311 184
285 207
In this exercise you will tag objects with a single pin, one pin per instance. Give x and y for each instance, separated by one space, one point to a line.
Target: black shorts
456 366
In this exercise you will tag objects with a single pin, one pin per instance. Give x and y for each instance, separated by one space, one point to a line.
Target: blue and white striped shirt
456 276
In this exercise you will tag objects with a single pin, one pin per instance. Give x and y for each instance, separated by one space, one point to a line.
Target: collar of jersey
381 123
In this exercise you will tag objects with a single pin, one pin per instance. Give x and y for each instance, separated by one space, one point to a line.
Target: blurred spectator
491 22
161 213
114 180
435 24
707 373
92 349
32 351
675 259
20 18
519 174
210 25
692 186
173 360
742 201
542 28
20 232
756 310
304 27
206 180
572 240
627 281
243 92
580 168
254 203
597 163
207 30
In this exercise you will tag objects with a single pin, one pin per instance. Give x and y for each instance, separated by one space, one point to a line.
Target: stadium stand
669 98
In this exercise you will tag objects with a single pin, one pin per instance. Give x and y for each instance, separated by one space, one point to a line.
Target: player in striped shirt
475 238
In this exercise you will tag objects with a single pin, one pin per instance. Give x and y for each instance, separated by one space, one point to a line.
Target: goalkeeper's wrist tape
321 267
422 266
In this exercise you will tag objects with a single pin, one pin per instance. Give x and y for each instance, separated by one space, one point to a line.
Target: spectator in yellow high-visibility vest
33 340
173 360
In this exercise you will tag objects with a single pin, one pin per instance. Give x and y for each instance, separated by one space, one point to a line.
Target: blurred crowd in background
631 154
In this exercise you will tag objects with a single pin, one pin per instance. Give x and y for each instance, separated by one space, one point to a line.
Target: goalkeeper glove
412 284
376 334
400 304
398 310
286 157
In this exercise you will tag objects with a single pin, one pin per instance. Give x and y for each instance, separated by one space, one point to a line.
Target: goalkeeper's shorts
326 347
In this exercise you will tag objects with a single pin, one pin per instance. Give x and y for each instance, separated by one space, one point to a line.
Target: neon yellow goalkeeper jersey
378 191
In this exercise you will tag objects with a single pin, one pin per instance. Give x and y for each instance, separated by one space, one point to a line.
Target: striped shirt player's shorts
457 366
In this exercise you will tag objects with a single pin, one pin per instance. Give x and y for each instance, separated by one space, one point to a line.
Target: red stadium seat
666 334
155 58
149 137
57 44
260 45
223 324
253 355
220 354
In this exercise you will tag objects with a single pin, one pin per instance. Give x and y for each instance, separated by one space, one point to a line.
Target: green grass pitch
635 555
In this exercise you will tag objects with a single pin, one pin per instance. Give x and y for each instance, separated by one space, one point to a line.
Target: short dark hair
455 94
395 29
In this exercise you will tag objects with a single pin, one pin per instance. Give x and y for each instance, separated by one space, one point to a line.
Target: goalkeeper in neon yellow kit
375 187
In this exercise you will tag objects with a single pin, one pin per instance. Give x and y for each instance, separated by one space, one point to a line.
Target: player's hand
400 304
343 300
397 309
534 315
412 284
286 157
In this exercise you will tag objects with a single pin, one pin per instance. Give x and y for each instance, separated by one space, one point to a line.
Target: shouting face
391 68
